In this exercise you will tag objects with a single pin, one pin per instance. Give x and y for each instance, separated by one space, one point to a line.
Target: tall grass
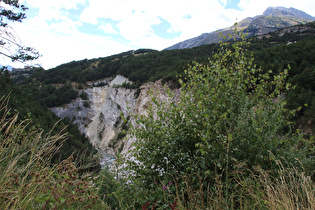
28 178
293 189
285 188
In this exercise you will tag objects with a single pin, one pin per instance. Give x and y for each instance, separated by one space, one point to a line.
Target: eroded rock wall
107 113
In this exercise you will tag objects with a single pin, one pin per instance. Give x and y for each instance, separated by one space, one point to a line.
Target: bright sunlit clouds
66 30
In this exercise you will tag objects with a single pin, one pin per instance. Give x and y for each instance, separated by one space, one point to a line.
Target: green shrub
86 104
229 113
84 96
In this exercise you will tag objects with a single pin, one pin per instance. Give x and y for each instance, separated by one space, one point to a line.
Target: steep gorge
106 116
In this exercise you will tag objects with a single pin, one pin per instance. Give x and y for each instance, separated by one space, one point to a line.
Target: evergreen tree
12 11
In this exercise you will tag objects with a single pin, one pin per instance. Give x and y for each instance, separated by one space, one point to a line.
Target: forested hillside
21 101
293 47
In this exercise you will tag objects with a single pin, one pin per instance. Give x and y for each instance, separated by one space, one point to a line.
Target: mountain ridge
287 11
272 19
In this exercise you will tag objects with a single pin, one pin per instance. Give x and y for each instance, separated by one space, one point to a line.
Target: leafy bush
229 113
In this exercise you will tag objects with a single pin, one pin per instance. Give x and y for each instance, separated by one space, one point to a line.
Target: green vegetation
228 142
228 126
22 102
141 67
272 52
300 56
29 179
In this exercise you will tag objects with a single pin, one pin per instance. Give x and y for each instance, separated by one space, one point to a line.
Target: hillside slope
272 19
87 93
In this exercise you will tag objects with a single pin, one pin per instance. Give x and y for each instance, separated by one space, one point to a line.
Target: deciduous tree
229 113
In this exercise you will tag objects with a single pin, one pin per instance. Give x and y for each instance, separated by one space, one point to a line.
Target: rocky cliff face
106 116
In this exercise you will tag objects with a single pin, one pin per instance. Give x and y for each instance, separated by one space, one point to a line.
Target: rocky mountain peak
283 11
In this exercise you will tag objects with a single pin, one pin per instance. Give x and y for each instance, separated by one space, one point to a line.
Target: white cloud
56 4
57 48
60 48
56 12
115 9
223 2
138 26
108 28
65 25
137 16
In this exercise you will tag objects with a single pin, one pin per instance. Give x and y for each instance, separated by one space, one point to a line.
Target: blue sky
66 30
